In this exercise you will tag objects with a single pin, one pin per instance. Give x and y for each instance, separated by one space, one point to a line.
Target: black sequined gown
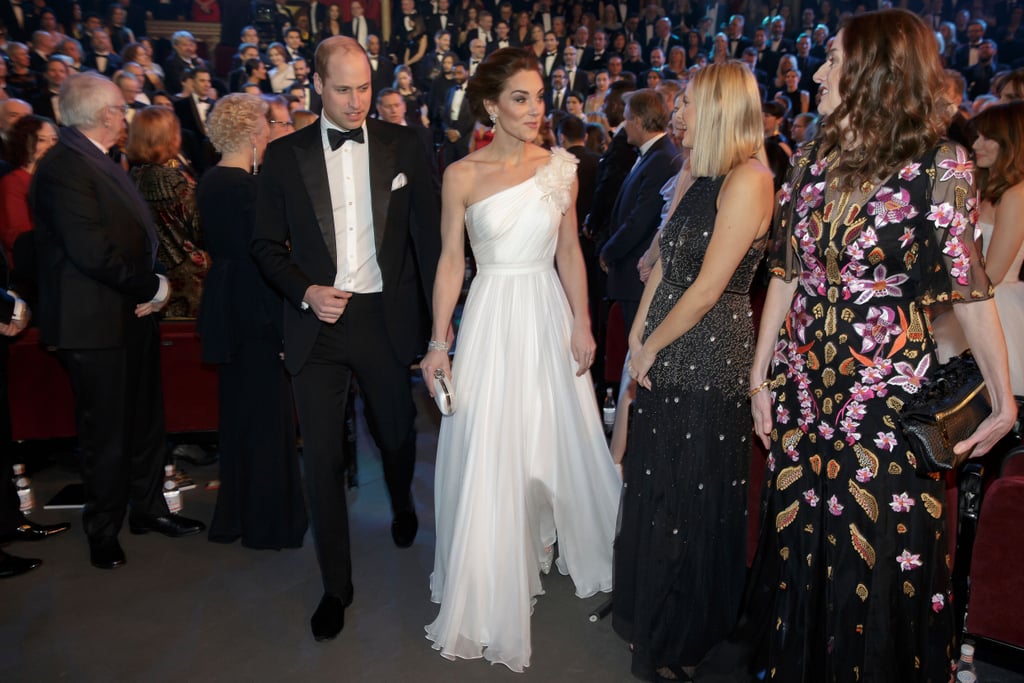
680 553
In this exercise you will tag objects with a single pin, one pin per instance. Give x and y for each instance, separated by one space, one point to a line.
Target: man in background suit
360 27
15 314
348 230
19 18
102 58
391 108
303 88
98 291
45 103
382 71
192 108
637 211
458 121
184 58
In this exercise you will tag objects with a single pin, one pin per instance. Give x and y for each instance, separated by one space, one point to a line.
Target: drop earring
494 119
255 166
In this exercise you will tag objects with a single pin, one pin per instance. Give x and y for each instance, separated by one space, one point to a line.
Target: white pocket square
399 182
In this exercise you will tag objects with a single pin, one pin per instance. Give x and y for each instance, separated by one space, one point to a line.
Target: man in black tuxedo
348 230
637 211
19 18
45 103
597 58
968 54
98 291
776 46
613 167
576 79
184 45
360 27
979 76
807 65
14 317
663 39
192 108
443 19
734 32
458 120
382 71
552 58
303 88
391 108
102 58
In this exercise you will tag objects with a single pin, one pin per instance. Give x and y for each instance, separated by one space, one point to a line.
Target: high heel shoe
545 561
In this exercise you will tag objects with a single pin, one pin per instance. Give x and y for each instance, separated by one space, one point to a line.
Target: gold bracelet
760 387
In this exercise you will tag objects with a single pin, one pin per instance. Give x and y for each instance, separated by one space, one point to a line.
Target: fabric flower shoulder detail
555 178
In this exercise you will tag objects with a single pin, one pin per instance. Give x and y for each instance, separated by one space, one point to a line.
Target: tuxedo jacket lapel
309 154
383 157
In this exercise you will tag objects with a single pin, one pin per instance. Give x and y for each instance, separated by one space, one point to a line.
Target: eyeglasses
122 107
281 123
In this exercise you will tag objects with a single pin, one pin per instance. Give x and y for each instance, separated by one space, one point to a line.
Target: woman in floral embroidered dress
876 221
523 461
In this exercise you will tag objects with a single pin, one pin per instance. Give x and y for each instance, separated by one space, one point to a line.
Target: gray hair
180 36
84 96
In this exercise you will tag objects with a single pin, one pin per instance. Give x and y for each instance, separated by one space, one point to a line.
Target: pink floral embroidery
891 207
826 430
886 440
901 502
961 168
878 326
941 214
811 497
834 507
938 602
908 237
810 196
864 475
910 171
882 284
908 560
909 377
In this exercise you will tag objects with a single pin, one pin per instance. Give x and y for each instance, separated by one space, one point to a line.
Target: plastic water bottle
172 494
965 667
26 499
608 411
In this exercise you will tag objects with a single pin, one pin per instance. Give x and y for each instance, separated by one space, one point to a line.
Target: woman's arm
1007 235
573 275
805 101
776 306
745 211
980 323
451 267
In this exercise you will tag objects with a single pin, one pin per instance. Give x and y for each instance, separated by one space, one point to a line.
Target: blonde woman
260 499
680 553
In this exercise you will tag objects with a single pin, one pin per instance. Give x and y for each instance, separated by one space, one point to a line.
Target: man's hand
453 135
328 303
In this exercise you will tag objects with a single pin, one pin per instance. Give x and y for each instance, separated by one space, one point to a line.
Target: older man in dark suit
98 291
348 230
637 211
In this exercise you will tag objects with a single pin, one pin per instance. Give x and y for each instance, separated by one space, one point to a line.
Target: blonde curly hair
235 120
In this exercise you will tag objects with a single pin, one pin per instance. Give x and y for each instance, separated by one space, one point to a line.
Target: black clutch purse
948 410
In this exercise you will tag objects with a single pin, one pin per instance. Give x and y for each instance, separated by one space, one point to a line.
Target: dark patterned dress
680 554
853 566
171 195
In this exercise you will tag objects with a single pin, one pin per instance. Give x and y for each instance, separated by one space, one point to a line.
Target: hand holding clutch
444 393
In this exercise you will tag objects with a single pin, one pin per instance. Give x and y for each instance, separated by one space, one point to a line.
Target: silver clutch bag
444 393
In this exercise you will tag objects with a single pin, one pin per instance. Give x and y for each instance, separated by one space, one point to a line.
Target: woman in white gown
523 461
999 153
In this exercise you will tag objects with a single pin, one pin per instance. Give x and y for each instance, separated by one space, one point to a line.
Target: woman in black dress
679 556
260 498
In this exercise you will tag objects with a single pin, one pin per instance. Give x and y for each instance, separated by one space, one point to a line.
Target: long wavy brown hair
892 88
1003 123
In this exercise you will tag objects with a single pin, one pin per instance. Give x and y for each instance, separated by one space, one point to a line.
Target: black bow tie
206 100
337 137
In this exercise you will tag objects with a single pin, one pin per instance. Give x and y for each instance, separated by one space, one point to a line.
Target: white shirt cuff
20 308
162 291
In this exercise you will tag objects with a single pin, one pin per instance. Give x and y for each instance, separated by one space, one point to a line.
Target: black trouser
358 343
10 514
119 414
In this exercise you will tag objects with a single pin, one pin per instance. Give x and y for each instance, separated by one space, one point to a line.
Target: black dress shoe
106 553
404 527
329 618
16 566
30 531
174 526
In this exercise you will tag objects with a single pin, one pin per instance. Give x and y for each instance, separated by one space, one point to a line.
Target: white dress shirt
348 175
